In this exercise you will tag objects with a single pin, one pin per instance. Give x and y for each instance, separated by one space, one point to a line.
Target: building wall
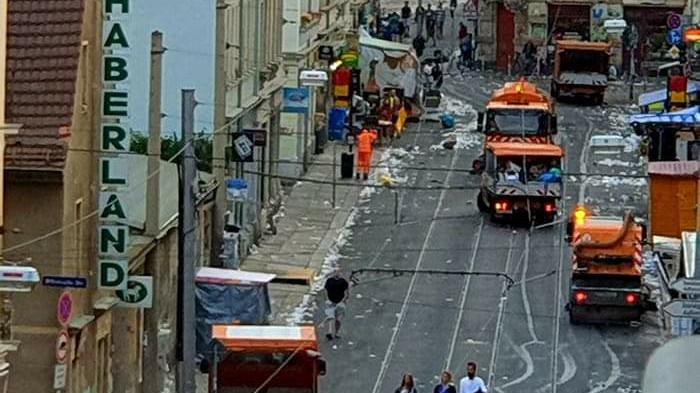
3 41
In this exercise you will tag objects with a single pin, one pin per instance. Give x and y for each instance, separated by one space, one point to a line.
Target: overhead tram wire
96 211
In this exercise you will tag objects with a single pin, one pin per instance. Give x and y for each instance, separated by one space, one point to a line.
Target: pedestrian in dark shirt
337 293
453 8
420 18
406 18
441 15
419 45
430 24
446 385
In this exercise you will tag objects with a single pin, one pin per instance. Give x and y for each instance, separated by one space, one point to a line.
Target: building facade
505 26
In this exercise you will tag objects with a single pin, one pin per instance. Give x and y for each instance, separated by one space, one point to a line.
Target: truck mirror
480 122
554 125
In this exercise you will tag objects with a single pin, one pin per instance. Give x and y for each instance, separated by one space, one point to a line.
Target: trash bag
447 120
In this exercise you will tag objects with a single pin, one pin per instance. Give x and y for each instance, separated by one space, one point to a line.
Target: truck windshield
516 122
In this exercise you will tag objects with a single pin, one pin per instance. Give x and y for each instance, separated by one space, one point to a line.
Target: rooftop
43 50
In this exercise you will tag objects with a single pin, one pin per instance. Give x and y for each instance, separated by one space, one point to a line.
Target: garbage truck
271 359
606 276
581 69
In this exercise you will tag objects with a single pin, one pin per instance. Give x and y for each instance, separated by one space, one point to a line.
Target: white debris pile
613 181
618 119
632 143
650 276
463 137
456 107
612 162
305 311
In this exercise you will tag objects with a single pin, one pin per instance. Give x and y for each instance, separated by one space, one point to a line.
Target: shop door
505 33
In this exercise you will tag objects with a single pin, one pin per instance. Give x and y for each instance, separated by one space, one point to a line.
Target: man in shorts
337 293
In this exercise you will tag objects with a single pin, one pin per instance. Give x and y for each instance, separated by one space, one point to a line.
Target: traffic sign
674 37
683 308
69 282
688 286
243 147
59 376
673 21
138 292
674 52
62 347
64 308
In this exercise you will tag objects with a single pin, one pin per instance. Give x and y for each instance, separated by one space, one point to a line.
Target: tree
171 146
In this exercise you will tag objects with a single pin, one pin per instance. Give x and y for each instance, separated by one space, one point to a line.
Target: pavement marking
583 168
615 371
409 292
501 311
465 290
569 366
522 350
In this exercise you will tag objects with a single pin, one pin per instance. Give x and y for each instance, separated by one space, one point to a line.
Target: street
519 335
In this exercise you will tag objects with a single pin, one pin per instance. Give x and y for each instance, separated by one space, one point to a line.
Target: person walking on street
430 24
453 8
441 14
406 18
462 31
407 385
365 140
337 292
419 45
446 385
471 383
420 17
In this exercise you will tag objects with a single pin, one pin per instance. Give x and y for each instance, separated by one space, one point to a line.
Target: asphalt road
520 337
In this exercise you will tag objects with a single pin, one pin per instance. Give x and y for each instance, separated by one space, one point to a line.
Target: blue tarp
657 96
689 116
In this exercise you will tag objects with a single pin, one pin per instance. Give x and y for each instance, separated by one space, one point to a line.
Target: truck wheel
554 90
572 319
480 204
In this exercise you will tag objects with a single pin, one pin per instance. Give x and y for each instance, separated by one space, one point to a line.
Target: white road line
583 168
465 291
569 366
522 350
409 292
499 320
615 371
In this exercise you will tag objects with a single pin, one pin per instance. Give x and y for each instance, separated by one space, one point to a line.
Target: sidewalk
308 232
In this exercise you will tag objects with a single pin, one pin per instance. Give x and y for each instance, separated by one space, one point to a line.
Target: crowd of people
338 294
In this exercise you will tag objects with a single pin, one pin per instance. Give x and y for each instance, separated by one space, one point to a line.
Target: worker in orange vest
365 140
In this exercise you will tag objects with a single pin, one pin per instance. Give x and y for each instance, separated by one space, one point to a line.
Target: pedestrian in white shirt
471 383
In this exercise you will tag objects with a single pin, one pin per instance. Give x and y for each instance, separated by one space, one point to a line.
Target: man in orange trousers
365 140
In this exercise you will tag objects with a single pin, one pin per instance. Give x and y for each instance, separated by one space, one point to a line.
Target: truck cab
521 180
606 279
518 112
271 359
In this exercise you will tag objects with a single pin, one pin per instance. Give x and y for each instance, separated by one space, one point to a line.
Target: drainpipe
258 60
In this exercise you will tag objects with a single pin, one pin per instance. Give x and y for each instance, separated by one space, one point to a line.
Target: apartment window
85 89
78 234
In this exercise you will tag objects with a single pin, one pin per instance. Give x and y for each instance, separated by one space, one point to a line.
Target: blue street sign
674 37
59 281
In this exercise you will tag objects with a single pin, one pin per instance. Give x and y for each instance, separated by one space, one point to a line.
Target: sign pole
335 159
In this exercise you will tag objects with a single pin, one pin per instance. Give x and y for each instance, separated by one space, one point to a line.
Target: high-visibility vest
364 141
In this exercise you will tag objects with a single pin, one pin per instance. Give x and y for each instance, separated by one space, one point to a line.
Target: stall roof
524 149
367 40
689 116
660 95
689 253
674 168
266 338
214 275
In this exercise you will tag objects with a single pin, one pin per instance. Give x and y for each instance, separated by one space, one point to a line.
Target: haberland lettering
113 231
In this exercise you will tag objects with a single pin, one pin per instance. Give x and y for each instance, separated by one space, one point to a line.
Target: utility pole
154 124
220 134
151 317
185 381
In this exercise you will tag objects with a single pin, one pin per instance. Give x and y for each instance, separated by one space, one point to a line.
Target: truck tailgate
583 78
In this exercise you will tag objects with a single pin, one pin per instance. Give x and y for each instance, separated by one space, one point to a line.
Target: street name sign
64 282
688 286
683 308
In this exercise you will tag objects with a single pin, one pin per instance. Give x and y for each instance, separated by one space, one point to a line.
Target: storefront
569 20
652 47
